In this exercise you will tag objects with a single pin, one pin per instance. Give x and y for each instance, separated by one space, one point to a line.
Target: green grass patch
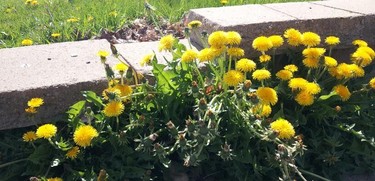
21 20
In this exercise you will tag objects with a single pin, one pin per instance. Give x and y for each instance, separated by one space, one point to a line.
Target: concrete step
57 73
346 19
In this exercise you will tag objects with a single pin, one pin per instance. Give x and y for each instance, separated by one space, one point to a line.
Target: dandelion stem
314 175
12 162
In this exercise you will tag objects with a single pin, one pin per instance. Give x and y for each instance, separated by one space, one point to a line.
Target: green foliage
200 120
20 20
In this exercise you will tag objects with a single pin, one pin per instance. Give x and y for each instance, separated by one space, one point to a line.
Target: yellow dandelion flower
217 39
330 62
245 65
294 37
166 43
360 43
72 20
102 54
206 55
55 179
55 35
224 2
217 51
263 110
35 102
267 95
146 60
113 14
34 3
113 109
236 52
28 1
262 44
297 83
233 77
283 128
312 88
311 62
124 89
371 83
313 53
368 50
111 93
72 153
342 91
332 40
27 42
310 39
284 74
303 98
333 71
357 71
233 38
276 40
46 131
264 58
31 110
83 135
189 56
361 58
29 136
291 67
261 74
120 67
194 24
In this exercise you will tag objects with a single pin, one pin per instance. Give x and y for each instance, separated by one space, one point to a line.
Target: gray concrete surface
323 17
58 73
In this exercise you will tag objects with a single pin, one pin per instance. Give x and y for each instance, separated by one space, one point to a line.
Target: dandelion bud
204 33
187 31
102 175
181 139
142 118
247 85
210 114
150 97
202 104
253 97
190 126
337 108
219 88
129 73
209 89
170 125
153 136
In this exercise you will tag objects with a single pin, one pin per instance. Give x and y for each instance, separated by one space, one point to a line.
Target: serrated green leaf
92 97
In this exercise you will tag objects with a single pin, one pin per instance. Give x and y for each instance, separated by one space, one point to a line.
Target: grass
19 20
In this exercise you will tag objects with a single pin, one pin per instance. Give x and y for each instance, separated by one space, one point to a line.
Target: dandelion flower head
46 131
189 56
261 74
83 135
103 54
291 67
233 38
166 43
121 67
233 77
29 136
35 102
264 58
55 35
113 109
217 39
312 88
304 98
372 83
124 89
55 179
245 65
297 83
284 74
267 95
342 91
284 128
294 37
332 40
311 62
72 153
276 40
206 55
313 53
236 52
310 39
263 110
330 62
194 24
360 43
146 59
27 42
262 44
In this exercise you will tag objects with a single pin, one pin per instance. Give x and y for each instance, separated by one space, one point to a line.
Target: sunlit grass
38 22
